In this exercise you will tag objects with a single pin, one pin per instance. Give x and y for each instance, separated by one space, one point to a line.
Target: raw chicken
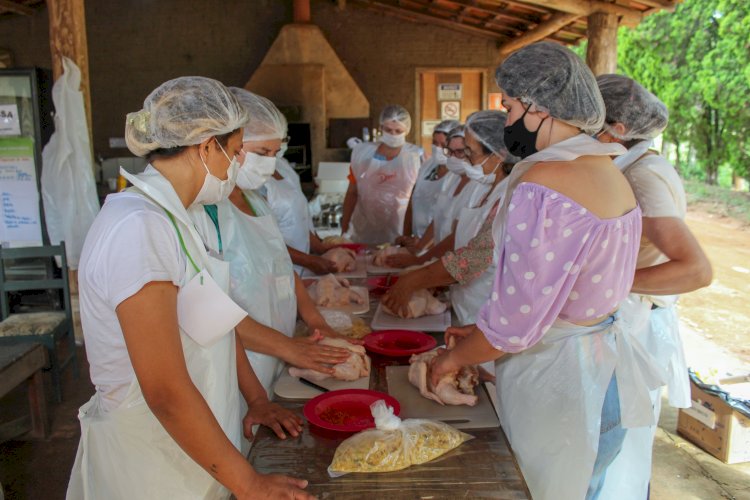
335 240
380 255
330 291
452 389
356 366
421 303
344 259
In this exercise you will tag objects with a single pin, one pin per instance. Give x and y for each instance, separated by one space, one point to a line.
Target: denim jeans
611 436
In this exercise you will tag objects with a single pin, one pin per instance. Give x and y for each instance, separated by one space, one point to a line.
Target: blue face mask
519 140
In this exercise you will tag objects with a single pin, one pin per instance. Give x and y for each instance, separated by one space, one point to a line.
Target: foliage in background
697 60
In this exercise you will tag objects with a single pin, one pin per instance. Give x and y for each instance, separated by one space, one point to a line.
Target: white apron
126 453
262 277
383 192
289 206
449 205
424 196
468 298
546 392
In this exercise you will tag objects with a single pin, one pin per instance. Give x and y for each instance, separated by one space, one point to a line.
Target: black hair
171 152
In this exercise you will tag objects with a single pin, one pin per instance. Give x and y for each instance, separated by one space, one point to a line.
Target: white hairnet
183 112
446 126
396 113
628 102
487 127
555 80
264 121
459 131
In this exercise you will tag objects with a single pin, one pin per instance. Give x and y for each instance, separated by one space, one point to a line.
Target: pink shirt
558 260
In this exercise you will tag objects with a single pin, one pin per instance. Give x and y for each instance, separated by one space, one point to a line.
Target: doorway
447 93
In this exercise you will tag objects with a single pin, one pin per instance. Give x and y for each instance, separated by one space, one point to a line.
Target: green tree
697 60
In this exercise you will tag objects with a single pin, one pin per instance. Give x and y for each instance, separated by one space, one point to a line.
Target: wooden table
483 467
19 363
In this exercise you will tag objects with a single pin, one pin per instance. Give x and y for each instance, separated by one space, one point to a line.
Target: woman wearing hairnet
471 267
670 262
381 181
570 374
263 282
165 419
429 181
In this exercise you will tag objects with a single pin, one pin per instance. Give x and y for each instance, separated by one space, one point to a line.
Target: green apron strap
182 242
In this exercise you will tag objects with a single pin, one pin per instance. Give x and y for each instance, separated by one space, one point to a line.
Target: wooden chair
47 327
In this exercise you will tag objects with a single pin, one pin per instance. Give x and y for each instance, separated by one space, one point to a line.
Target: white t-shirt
131 243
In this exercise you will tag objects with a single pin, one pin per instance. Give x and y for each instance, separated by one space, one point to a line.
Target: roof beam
629 17
661 4
552 25
17 8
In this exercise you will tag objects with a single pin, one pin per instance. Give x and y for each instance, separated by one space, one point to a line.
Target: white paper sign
10 124
449 91
428 127
450 110
19 196
204 312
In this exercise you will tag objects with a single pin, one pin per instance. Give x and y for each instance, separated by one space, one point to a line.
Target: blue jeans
611 436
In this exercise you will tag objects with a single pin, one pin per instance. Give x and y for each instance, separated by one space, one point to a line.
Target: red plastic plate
399 343
347 410
355 247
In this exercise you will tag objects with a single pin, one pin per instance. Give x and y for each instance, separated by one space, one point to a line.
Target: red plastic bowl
355 247
347 410
399 343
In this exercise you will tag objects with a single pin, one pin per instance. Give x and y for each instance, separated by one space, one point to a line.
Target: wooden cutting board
435 323
414 405
289 387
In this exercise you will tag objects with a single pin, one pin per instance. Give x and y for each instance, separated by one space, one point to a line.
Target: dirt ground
720 313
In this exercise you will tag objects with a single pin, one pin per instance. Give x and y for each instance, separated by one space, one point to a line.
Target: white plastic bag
68 188
394 444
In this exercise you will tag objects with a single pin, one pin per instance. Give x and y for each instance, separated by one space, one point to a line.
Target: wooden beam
413 16
16 8
668 5
542 31
629 17
601 52
67 37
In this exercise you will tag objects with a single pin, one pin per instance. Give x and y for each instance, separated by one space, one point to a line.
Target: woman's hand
457 333
440 366
271 415
409 242
402 260
397 298
306 352
319 265
273 486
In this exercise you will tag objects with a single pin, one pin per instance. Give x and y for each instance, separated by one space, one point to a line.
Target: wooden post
67 37
601 54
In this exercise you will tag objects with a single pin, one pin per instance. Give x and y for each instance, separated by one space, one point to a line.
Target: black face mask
518 139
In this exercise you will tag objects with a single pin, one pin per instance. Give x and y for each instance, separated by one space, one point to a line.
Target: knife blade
313 385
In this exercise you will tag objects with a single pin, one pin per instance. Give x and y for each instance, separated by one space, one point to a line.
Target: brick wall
135 45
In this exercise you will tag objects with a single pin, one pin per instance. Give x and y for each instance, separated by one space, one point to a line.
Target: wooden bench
19 363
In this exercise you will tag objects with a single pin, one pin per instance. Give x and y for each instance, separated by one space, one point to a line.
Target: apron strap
182 242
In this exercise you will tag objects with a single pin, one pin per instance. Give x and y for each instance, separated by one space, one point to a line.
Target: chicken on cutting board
380 255
421 303
344 259
330 291
455 388
355 367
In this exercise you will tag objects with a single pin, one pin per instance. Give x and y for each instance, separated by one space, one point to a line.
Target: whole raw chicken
330 291
380 255
344 259
452 389
356 366
421 303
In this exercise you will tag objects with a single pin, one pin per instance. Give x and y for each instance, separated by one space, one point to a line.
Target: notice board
20 223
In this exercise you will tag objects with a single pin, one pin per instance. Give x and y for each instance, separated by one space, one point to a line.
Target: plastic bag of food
394 444
345 323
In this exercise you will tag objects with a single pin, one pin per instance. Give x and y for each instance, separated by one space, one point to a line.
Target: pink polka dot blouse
558 260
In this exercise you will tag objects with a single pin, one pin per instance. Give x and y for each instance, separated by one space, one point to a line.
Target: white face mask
255 171
282 150
457 166
437 153
476 173
214 189
392 140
